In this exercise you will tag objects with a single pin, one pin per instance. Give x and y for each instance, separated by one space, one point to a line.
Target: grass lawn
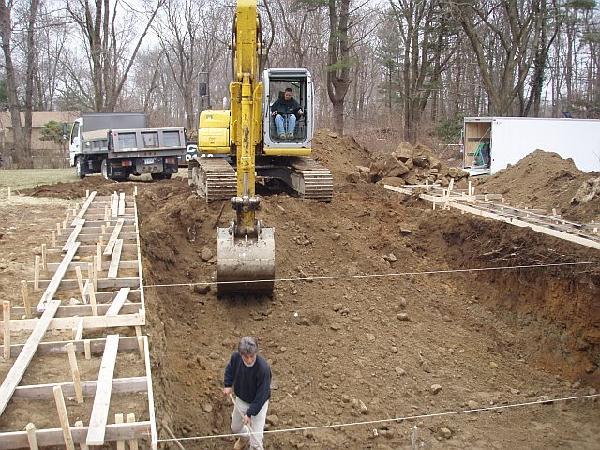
28 178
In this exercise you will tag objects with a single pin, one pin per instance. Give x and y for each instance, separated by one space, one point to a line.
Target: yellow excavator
239 147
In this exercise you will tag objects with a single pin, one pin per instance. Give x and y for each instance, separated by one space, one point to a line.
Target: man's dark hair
288 89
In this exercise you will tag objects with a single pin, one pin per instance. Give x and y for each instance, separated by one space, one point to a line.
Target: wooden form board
54 436
74 234
89 322
519 222
132 385
129 264
99 417
126 344
116 259
16 372
84 207
57 277
113 237
103 283
118 302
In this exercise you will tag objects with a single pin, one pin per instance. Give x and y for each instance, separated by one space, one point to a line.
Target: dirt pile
341 155
410 165
546 180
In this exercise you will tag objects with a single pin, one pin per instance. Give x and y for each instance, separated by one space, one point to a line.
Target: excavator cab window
277 88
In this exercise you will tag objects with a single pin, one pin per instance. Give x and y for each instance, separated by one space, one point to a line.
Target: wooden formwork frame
483 205
103 228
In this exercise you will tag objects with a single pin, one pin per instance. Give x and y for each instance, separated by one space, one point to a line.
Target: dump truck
490 144
120 144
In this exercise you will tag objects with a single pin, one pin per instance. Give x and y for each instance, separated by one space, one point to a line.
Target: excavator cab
275 82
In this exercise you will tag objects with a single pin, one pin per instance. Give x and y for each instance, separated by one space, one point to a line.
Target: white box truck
120 144
490 144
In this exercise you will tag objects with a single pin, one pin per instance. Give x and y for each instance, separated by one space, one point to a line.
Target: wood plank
73 236
54 436
86 310
99 417
63 416
53 285
114 208
121 211
84 207
130 385
118 302
92 248
113 237
126 344
15 374
103 283
130 264
116 259
153 430
121 320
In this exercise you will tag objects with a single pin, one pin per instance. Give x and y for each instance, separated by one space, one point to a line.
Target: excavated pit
486 337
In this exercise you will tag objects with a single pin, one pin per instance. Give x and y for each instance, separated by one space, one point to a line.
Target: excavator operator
285 110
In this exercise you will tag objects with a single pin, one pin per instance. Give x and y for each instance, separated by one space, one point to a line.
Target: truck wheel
168 176
157 176
104 169
79 167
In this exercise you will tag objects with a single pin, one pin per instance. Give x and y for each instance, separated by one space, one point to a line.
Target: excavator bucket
245 265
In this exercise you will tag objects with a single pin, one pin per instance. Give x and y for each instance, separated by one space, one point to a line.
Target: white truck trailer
120 144
490 144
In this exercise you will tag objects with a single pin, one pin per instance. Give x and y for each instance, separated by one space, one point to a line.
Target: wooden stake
75 372
58 229
36 273
135 190
87 349
95 274
6 309
133 443
90 272
102 229
92 293
44 260
82 444
8 193
140 338
64 224
106 216
25 294
80 282
59 399
119 419
98 256
87 193
53 239
31 436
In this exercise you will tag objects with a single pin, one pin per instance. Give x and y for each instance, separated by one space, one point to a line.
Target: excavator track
213 178
311 180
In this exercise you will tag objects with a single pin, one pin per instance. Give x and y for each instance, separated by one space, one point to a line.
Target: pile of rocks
410 165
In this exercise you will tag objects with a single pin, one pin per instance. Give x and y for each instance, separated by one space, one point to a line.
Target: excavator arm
246 250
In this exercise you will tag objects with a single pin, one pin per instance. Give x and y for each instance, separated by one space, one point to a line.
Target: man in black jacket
248 376
286 108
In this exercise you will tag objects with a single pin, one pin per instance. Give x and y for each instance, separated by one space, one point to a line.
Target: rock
74 302
304 321
493 365
282 349
411 178
353 177
370 337
402 317
336 236
421 161
404 151
405 231
345 398
400 371
201 288
514 391
402 302
335 326
434 163
391 257
337 307
397 170
206 254
446 433
332 135
362 169
213 355
473 404
588 190
392 181
394 349
207 407
362 407
273 420
576 385
435 388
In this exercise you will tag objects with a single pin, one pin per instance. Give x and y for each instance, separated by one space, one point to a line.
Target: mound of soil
544 180
341 155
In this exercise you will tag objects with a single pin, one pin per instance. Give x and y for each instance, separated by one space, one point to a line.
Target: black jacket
251 384
283 106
